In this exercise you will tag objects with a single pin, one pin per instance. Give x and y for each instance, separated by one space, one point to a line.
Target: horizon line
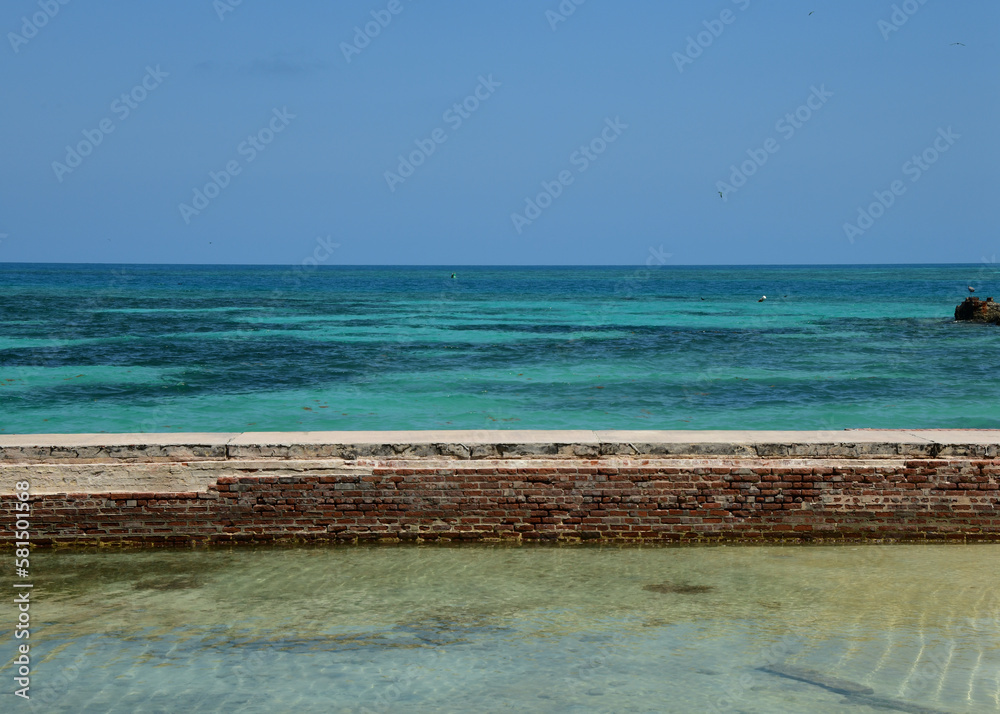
492 265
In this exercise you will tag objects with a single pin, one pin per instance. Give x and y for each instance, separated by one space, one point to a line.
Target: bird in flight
720 195
812 12
958 43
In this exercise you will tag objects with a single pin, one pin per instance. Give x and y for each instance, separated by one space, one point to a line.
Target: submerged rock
811 676
169 582
682 588
976 310
854 692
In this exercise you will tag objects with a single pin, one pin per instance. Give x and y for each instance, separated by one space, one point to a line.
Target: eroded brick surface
615 499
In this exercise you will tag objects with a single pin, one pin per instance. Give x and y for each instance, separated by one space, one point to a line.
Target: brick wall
609 499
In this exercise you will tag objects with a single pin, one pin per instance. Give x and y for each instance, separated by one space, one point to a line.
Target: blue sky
626 124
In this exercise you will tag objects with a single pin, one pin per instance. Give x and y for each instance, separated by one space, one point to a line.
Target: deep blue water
88 348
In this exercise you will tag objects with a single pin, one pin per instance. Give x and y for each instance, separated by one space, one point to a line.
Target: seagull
812 12
972 289
958 43
762 298
720 195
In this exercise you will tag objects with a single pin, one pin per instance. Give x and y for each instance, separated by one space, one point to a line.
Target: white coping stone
959 436
840 437
888 436
74 440
674 437
251 438
744 436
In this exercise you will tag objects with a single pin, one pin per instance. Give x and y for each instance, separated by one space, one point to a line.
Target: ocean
170 348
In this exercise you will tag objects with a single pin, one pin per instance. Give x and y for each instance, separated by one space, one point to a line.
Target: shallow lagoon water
507 628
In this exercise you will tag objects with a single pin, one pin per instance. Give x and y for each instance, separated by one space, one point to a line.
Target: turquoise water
230 348
491 629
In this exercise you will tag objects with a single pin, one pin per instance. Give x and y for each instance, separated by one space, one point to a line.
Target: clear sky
628 119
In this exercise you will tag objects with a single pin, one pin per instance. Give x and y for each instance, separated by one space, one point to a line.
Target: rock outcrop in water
976 310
